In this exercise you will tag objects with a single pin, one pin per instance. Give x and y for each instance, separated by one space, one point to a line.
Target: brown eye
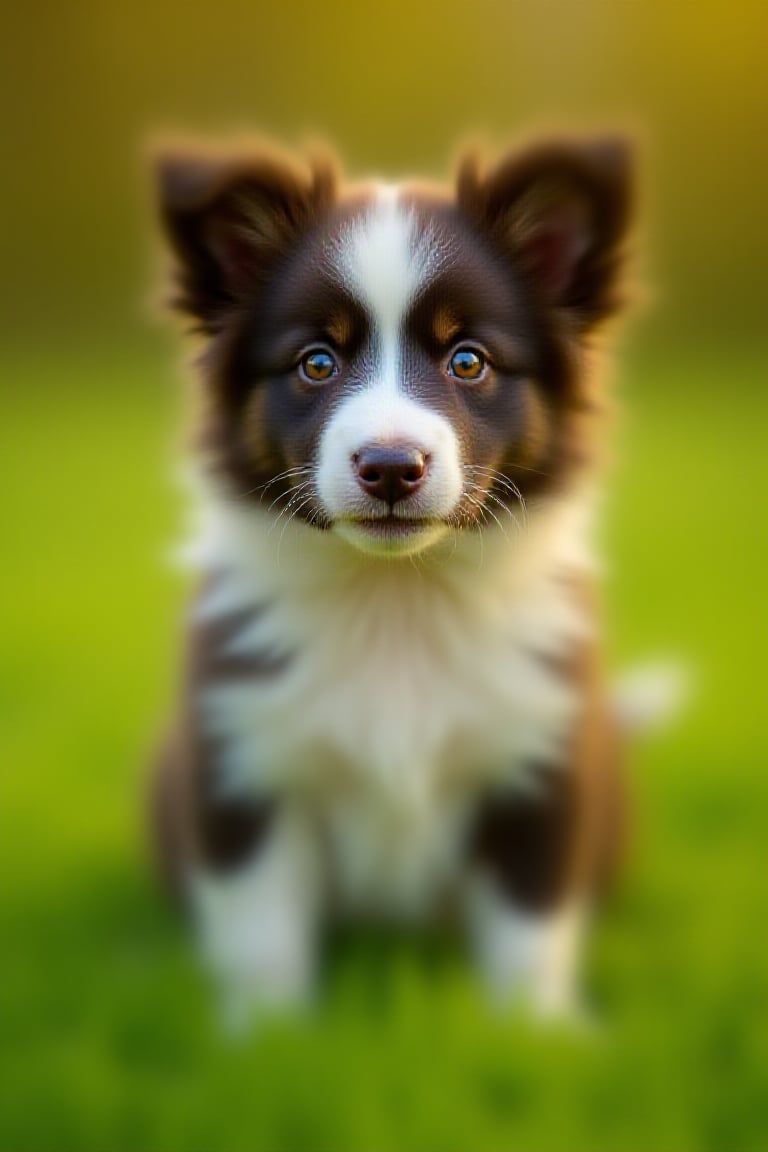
318 366
467 364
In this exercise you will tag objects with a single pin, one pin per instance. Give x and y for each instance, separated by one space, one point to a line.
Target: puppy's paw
528 960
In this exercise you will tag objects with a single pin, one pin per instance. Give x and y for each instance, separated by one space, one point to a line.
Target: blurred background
106 1035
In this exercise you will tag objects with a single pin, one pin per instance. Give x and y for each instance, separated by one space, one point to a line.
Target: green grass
108 1044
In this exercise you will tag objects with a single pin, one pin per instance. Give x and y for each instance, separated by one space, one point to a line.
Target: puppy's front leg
524 913
537 862
243 861
257 924
538 859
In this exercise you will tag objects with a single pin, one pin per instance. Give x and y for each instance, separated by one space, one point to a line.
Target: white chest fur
409 689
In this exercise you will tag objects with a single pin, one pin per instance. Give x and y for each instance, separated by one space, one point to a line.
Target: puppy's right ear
560 211
228 220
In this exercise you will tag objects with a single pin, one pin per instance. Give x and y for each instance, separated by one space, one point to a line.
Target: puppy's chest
423 694
388 702
411 686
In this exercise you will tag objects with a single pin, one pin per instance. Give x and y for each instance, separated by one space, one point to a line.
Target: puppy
392 702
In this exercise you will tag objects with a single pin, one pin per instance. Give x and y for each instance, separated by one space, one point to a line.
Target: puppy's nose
390 472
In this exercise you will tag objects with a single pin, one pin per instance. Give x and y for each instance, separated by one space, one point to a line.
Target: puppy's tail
649 695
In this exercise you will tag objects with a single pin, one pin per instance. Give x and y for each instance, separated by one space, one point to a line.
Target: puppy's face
394 364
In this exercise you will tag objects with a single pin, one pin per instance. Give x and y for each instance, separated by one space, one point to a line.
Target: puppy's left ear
560 212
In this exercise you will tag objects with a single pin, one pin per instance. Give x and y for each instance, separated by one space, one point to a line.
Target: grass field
107 1040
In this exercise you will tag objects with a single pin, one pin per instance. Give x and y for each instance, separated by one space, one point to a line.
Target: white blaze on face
383 268
385 264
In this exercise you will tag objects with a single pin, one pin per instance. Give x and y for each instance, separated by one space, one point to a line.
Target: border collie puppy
393 703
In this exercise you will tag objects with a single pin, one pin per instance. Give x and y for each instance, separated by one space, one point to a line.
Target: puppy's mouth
391 534
393 522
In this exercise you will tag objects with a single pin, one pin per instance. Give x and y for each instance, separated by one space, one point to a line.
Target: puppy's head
394 363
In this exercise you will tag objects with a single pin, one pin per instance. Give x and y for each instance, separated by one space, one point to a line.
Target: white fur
378 416
385 263
528 958
648 695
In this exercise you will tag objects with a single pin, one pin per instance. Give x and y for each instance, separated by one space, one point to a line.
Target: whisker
491 474
298 470
492 496
287 522
524 468
485 509
502 481
296 489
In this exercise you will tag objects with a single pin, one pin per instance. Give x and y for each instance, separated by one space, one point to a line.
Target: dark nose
390 472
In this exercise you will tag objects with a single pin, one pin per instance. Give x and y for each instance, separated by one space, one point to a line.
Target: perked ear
229 218
561 210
